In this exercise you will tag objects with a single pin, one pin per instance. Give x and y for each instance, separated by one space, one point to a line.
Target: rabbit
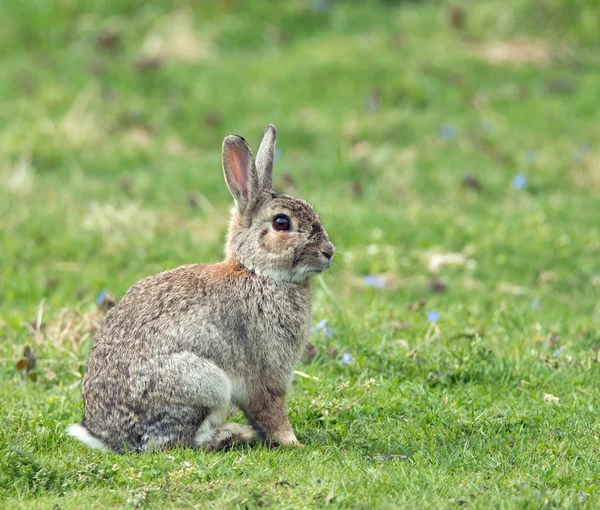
183 346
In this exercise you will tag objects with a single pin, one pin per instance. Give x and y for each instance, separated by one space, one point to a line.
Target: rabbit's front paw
287 440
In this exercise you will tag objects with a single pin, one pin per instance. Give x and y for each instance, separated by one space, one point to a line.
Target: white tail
81 433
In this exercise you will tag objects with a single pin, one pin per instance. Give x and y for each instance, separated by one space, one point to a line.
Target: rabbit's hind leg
213 434
184 399
206 433
231 434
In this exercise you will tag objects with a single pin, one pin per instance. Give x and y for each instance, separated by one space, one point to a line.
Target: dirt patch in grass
586 176
517 52
68 329
20 176
117 224
81 125
175 38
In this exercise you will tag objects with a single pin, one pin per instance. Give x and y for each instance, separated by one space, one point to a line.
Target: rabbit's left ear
240 171
265 157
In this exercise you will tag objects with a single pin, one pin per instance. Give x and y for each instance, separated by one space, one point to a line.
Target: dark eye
281 222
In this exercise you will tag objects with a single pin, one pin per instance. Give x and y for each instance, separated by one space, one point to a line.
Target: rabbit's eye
281 222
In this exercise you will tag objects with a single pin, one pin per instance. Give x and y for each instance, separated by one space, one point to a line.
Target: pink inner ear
239 171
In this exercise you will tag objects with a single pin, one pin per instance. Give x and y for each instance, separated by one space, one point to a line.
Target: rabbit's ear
264 158
239 170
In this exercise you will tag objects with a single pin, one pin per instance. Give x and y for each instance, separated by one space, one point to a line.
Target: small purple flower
101 297
278 154
530 156
519 181
535 303
558 351
433 316
375 281
346 358
448 131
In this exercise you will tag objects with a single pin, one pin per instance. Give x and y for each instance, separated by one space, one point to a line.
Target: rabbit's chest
283 314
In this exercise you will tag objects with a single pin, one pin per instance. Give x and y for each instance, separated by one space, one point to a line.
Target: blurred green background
451 149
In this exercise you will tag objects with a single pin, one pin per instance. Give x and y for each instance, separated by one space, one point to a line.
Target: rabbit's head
271 234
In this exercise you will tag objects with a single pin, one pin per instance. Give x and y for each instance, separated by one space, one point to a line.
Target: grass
111 119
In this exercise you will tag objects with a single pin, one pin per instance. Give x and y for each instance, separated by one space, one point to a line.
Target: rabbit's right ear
265 157
239 170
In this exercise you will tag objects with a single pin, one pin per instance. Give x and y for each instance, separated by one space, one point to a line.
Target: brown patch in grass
20 178
59 340
515 290
68 329
587 174
175 39
360 150
81 126
209 229
519 51
140 137
175 147
118 225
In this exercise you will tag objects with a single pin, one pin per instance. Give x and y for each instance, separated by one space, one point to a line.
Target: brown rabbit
184 345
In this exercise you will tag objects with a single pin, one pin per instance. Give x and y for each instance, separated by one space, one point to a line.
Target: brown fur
183 345
267 412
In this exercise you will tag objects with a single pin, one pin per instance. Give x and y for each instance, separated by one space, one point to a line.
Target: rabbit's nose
327 250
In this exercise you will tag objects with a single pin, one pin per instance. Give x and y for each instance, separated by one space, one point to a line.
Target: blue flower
346 358
278 154
558 351
433 316
321 327
321 324
519 181
448 131
375 281
101 297
535 303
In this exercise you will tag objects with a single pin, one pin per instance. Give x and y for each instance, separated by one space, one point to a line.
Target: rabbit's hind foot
229 435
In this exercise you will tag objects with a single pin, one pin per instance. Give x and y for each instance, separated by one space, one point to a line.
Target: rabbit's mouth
313 261
322 264
326 264
306 271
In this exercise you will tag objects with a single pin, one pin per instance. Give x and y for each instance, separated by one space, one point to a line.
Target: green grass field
454 156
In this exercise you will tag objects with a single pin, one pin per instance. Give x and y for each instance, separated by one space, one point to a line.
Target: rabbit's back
205 308
158 307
